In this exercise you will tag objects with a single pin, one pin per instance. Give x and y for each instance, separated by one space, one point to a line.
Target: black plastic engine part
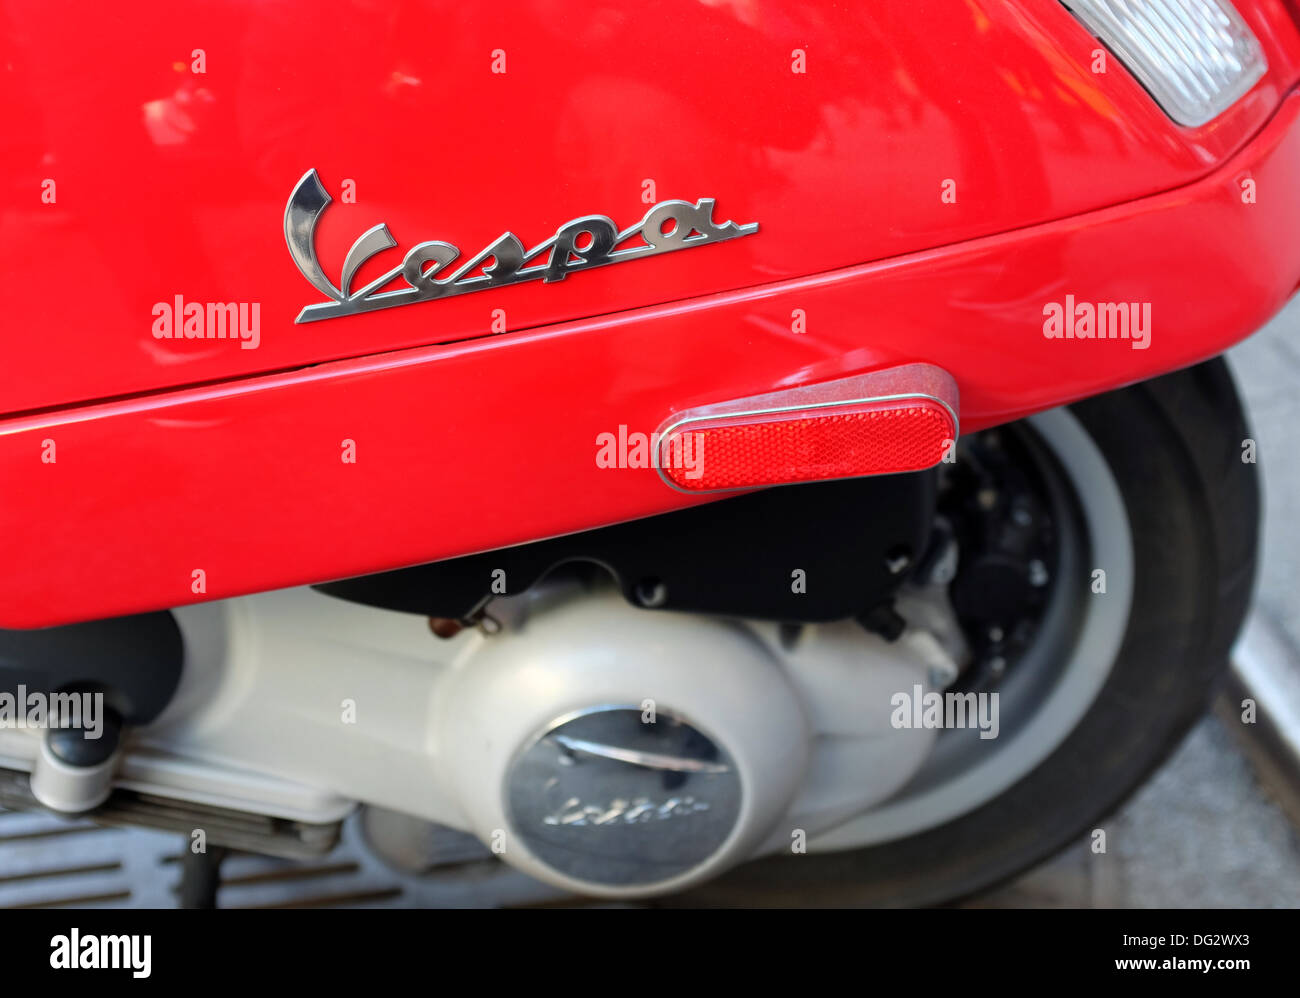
70 744
1000 510
134 661
798 553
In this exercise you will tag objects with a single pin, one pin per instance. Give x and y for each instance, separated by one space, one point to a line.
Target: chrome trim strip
647 760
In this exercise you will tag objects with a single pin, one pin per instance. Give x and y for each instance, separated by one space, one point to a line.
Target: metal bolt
651 593
942 676
445 627
897 564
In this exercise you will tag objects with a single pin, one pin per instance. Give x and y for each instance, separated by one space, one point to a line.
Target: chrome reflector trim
1196 57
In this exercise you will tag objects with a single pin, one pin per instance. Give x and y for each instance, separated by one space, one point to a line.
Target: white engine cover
298 705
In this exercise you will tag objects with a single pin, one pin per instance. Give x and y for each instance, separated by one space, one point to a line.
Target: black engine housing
853 540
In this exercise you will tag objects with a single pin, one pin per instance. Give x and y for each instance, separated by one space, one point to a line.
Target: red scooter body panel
173 182
130 463
492 442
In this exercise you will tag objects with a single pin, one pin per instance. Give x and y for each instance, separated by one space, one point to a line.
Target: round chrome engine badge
609 797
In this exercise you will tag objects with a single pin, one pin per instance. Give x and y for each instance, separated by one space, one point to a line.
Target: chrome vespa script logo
582 244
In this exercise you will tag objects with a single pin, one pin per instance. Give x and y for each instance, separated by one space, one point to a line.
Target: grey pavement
1267 367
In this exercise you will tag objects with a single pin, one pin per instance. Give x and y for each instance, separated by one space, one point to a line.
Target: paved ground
1268 371
1209 830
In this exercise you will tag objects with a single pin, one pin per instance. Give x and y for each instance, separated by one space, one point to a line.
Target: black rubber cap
73 746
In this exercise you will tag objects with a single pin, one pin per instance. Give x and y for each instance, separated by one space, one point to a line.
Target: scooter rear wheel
1188 513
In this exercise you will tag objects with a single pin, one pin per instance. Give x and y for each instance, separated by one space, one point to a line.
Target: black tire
1174 446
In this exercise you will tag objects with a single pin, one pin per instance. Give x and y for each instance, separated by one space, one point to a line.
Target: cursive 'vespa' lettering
582 244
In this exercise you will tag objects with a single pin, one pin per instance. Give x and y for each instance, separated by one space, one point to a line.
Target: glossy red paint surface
491 442
171 182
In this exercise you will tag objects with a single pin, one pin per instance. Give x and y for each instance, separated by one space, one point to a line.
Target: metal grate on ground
52 862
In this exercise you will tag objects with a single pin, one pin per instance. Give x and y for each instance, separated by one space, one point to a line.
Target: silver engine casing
602 748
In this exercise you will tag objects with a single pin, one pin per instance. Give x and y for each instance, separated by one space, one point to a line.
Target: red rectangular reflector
902 419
